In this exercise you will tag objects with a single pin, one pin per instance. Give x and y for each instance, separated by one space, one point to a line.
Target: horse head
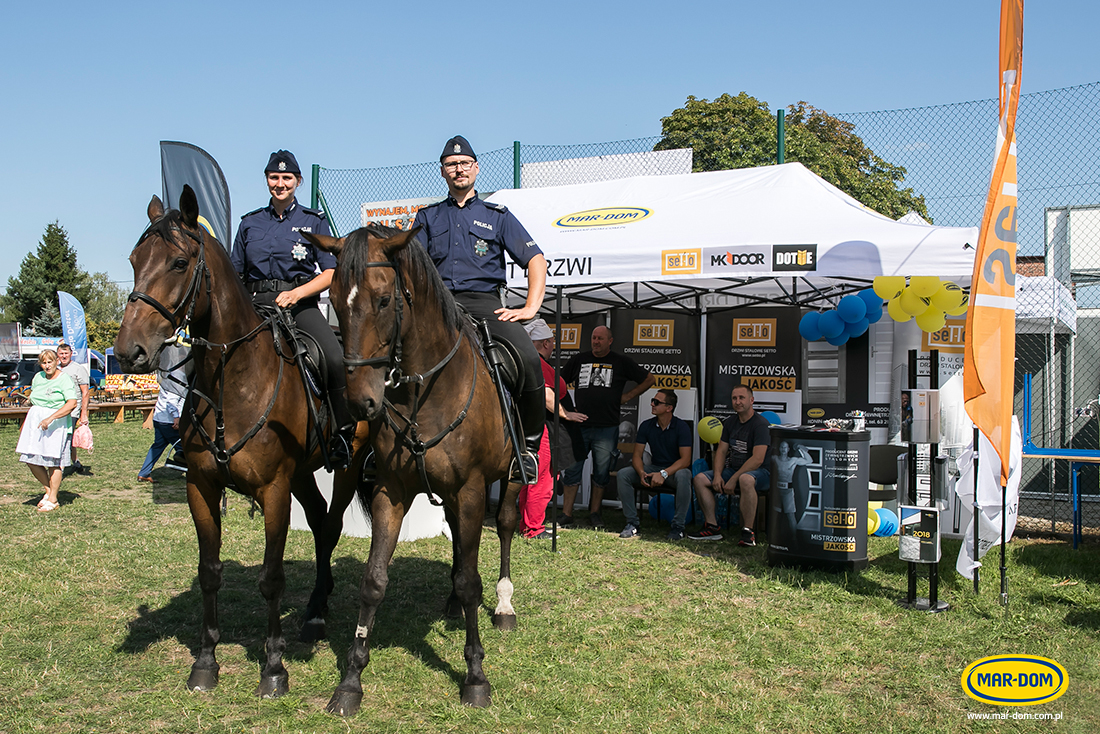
169 268
370 293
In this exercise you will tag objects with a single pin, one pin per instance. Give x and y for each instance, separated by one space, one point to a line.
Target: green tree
106 300
42 274
739 132
47 322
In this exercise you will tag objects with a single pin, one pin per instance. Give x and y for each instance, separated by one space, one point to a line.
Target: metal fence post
516 165
313 187
780 136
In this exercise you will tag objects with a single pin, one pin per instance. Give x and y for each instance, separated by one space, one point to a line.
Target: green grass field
100 613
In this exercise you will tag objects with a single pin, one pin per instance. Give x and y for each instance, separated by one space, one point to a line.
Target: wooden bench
117 408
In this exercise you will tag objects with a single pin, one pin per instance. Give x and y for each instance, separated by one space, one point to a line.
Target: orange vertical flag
990 349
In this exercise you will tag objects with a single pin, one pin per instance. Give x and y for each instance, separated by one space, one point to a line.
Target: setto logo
681 262
754 332
949 339
653 332
604 217
570 336
1014 680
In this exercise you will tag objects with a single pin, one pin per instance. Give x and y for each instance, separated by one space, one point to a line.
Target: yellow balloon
961 308
897 313
931 320
873 521
947 297
912 303
888 287
924 285
710 429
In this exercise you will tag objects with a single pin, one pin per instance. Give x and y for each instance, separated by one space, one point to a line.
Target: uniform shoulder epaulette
495 205
315 212
433 204
254 211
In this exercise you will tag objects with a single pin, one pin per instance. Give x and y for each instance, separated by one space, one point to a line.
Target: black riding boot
339 450
532 416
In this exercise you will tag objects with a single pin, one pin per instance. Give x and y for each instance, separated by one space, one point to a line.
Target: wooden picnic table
116 407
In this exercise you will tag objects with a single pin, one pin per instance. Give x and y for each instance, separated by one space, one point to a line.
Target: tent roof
755 232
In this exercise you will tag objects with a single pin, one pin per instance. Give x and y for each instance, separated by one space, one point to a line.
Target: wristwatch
664 474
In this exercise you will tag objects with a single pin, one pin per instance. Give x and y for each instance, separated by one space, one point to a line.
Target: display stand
932 602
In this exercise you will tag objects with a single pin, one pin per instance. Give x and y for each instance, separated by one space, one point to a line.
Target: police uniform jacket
268 247
467 244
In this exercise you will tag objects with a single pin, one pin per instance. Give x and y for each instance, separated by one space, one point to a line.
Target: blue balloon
871 299
808 326
873 317
859 328
888 524
770 417
831 325
836 341
852 309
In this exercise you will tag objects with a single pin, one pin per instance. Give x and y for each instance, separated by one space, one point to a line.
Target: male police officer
466 238
279 267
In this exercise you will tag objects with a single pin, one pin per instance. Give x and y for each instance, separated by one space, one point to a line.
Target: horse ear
189 207
399 242
325 242
156 209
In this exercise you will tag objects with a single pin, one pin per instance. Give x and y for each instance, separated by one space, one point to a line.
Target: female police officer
278 266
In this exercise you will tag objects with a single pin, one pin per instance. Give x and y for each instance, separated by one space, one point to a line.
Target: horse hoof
313 632
504 622
344 703
476 696
202 679
273 686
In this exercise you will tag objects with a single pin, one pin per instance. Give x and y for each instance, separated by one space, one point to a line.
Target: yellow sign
1014 680
816 412
840 519
681 262
768 384
653 332
949 339
672 382
570 337
603 217
754 332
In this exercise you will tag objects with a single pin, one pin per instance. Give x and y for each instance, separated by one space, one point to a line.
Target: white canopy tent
650 240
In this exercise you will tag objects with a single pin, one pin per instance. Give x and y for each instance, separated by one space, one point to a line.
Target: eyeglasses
459 166
655 402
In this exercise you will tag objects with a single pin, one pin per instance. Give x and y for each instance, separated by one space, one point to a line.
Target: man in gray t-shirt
79 375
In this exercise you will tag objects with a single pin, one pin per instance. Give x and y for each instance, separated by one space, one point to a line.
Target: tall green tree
740 132
106 300
42 274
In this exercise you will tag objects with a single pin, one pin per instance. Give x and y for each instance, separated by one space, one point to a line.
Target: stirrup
339 453
530 464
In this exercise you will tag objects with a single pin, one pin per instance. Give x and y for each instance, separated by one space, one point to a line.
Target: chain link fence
947 151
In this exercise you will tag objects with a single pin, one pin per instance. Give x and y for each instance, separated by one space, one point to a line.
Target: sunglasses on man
655 402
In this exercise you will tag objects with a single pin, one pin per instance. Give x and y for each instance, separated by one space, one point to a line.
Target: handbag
82 437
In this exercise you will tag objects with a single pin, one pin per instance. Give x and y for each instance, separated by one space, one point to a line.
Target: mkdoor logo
1014 680
604 217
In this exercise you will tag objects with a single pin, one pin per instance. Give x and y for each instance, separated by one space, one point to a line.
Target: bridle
190 297
396 376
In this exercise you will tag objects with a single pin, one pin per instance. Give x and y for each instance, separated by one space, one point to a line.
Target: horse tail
366 483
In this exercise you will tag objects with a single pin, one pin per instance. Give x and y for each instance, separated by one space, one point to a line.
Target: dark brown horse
246 422
416 374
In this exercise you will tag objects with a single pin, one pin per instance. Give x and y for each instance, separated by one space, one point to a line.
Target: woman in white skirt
44 441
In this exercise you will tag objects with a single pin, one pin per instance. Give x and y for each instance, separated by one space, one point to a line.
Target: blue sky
88 90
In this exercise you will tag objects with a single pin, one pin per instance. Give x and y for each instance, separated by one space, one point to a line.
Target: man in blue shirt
279 267
669 440
467 239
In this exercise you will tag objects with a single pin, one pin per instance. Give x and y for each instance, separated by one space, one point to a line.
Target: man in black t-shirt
599 377
740 467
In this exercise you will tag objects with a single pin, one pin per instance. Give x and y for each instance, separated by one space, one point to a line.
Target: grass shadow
416 595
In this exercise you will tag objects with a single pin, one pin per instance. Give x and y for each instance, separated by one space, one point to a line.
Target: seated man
739 467
669 440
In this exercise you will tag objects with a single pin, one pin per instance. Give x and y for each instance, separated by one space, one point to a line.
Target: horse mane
415 264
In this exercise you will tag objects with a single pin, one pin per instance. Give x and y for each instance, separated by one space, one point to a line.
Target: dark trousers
532 401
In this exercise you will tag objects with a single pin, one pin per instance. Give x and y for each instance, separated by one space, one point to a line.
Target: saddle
305 349
503 354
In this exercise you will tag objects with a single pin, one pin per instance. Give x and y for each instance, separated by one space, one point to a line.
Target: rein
201 272
396 376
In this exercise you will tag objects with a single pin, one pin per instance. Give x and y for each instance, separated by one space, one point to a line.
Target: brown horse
436 424
246 422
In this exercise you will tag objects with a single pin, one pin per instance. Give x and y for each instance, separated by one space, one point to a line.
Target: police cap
457 145
283 161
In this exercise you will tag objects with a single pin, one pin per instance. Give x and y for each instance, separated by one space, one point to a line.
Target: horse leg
453 608
326 534
467 585
204 511
504 617
385 528
274 679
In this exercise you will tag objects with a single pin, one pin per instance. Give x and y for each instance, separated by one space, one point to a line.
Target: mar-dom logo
608 216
